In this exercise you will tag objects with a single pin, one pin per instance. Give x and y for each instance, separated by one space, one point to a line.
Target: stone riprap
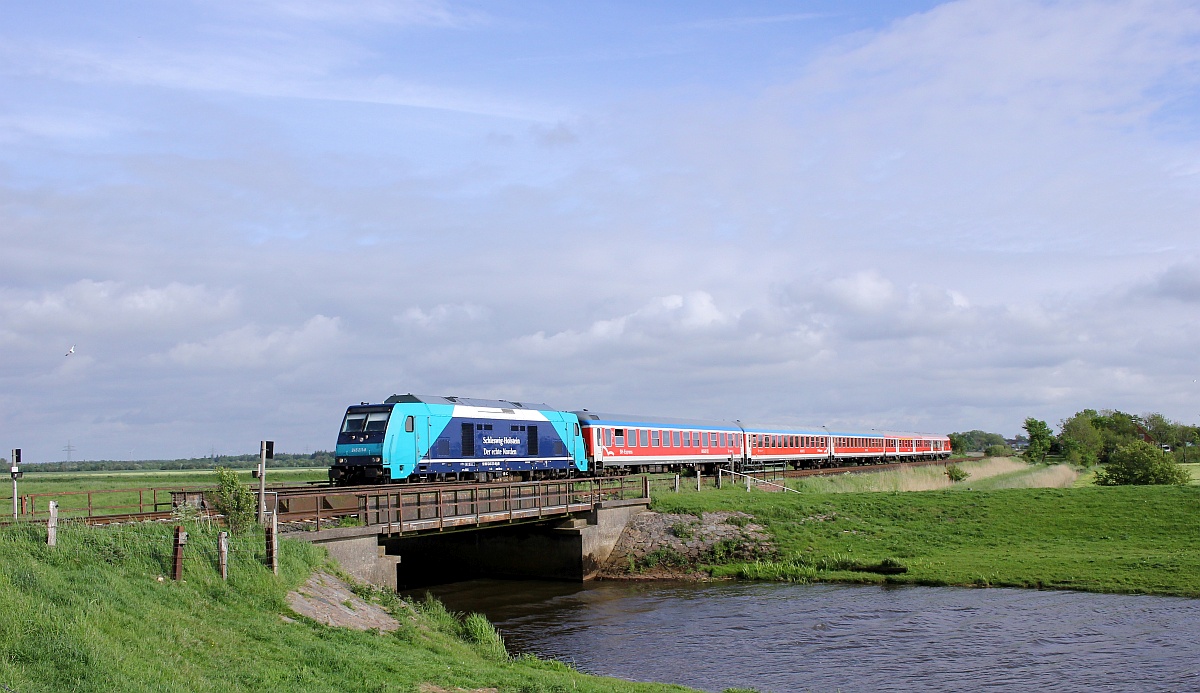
670 545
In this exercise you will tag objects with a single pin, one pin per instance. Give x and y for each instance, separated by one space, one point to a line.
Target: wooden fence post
699 477
271 531
180 540
676 483
223 554
52 525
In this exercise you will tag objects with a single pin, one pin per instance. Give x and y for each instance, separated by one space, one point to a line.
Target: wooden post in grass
223 554
271 531
52 525
180 540
676 483
699 477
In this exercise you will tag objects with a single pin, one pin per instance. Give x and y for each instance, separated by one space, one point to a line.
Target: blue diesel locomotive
420 438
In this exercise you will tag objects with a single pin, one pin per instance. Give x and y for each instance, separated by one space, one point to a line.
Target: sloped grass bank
1142 540
99 612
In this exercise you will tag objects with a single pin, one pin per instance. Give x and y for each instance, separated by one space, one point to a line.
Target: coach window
644 437
654 439
620 437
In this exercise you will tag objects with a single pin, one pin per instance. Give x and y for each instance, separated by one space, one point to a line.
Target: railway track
342 500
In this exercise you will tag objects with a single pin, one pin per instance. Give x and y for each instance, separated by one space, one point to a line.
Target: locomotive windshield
365 422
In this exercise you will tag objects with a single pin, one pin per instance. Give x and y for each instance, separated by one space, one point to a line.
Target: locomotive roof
464 401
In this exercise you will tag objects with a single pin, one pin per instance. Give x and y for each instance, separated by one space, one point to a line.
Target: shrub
1141 464
956 473
998 451
233 500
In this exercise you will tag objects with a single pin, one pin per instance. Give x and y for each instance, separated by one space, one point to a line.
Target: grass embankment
99 612
1119 539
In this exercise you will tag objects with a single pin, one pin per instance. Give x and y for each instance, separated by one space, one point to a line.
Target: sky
246 215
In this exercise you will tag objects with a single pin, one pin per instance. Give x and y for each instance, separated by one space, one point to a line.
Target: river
781 637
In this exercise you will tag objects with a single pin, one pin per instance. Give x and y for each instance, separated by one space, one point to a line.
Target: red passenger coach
621 443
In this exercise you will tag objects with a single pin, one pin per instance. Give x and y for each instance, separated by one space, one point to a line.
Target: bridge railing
425 508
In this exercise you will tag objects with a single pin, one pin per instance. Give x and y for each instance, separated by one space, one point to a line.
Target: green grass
122 483
1120 539
100 613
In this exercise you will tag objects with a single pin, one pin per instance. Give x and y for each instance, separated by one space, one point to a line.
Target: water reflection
836 637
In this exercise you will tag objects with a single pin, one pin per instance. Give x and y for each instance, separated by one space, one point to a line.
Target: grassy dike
1141 540
99 612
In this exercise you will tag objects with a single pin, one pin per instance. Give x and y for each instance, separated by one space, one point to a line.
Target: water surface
779 637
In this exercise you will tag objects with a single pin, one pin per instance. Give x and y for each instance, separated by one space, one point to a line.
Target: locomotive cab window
409 424
354 423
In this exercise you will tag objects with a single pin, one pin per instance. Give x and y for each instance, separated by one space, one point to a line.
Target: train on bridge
421 438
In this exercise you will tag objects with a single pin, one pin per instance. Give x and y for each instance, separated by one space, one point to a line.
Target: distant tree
974 441
1140 463
1040 439
1162 430
1080 440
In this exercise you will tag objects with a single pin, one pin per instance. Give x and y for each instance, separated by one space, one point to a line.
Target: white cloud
250 347
441 315
90 307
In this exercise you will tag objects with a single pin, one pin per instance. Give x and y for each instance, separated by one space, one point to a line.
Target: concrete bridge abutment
571 549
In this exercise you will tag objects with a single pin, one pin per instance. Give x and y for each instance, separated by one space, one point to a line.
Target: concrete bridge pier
572 548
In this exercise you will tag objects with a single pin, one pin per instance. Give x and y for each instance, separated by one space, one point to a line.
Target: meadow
99 612
985 531
123 491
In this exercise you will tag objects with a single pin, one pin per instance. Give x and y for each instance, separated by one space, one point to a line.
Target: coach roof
596 418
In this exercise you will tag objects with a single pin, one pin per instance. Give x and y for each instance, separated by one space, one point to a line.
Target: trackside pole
52 525
16 474
266 451
223 554
698 477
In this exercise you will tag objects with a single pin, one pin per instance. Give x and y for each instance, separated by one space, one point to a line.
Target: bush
1141 464
233 500
998 451
956 473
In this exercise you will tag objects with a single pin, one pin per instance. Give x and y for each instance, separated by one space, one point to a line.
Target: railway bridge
410 536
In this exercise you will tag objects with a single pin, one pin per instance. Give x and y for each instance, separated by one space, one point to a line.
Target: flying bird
70 351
